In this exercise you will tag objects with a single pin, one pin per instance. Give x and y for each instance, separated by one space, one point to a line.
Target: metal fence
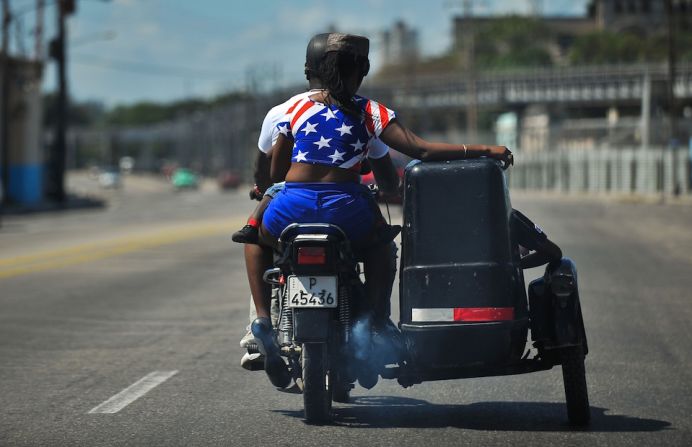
614 171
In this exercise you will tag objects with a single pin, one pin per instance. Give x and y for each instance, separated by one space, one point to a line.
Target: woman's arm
405 141
281 158
385 175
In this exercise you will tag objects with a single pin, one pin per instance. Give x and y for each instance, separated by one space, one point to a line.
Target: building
400 45
643 17
639 16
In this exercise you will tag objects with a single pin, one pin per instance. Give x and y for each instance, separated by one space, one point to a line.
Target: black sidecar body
463 301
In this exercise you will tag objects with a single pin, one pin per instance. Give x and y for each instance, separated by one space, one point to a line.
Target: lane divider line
133 392
81 254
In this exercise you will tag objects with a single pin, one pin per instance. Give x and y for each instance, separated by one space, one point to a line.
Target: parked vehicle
184 178
109 177
228 179
464 310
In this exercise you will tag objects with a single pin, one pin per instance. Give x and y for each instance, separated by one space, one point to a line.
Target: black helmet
321 44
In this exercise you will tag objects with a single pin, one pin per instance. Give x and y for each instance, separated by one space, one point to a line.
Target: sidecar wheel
317 393
574 378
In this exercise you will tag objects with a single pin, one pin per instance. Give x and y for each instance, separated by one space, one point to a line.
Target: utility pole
59 53
470 59
38 33
4 103
673 121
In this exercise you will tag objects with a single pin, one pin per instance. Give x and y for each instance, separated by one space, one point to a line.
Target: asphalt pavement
120 326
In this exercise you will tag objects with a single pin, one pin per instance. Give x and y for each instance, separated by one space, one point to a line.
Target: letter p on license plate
312 291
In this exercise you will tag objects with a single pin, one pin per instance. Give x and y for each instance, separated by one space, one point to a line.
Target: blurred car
109 177
184 178
228 180
127 164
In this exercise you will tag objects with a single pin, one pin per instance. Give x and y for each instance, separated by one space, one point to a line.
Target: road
147 300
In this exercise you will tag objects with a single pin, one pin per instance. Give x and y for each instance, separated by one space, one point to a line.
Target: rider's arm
261 174
404 140
385 175
281 158
532 237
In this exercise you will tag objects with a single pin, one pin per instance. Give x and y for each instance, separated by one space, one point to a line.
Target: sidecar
463 300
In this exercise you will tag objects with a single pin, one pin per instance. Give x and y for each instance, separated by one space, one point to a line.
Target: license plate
312 291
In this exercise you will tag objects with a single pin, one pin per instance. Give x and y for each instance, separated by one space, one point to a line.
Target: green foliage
500 43
606 47
83 114
513 41
143 113
92 114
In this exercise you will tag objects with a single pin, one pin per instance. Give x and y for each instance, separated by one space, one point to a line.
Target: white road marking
133 392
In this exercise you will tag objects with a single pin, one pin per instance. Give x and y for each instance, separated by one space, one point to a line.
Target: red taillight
483 313
312 255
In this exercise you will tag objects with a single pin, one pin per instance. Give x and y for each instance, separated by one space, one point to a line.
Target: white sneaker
248 340
252 362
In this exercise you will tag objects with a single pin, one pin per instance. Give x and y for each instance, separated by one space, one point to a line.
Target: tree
513 41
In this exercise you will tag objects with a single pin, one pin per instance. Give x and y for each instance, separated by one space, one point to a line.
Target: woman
323 139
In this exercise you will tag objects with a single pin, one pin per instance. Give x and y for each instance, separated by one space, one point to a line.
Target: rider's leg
249 339
380 270
250 232
257 260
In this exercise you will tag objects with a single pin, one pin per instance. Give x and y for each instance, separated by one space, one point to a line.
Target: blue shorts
347 205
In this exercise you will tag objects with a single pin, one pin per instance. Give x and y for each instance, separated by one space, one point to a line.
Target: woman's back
331 142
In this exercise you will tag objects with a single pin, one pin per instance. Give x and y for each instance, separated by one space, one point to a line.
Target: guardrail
616 171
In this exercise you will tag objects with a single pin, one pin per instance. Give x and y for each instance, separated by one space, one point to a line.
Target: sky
124 51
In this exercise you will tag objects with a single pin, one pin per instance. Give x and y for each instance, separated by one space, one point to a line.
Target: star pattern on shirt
301 156
328 114
324 142
344 129
358 146
309 128
345 135
337 156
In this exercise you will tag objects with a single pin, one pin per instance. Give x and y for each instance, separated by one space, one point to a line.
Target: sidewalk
72 202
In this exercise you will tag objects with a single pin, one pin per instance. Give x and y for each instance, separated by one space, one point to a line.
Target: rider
263 190
318 152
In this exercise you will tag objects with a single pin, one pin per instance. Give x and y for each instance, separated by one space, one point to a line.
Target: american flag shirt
325 135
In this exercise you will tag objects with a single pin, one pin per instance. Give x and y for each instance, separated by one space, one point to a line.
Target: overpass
589 86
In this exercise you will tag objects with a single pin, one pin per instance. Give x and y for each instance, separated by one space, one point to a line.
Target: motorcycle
325 326
464 310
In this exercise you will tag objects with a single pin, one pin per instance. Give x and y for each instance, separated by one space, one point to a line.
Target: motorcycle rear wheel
317 392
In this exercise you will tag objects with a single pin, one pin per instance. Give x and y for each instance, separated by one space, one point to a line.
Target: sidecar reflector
483 313
463 314
312 255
